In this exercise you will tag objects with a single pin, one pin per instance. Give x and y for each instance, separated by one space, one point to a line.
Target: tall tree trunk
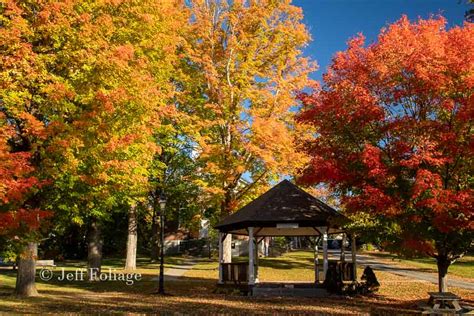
227 243
94 255
131 260
443 265
25 278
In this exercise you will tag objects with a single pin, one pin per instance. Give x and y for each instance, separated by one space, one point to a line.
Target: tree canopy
247 63
394 134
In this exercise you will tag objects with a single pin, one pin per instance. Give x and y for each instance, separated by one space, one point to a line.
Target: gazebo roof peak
283 204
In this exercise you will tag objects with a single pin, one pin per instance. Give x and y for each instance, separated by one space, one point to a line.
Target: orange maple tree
246 64
394 136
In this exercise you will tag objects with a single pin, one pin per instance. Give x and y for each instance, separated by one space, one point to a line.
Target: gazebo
284 210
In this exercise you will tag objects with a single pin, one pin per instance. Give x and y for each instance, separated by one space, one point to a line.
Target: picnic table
444 302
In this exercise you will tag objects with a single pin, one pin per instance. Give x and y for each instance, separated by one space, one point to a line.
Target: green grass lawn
195 292
461 268
149 271
292 266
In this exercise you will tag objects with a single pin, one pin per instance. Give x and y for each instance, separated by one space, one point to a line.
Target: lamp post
162 202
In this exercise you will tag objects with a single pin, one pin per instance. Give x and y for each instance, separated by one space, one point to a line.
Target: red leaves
418 245
425 153
375 200
32 219
393 123
17 180
451 209
323 170
426 182
15 169
371 156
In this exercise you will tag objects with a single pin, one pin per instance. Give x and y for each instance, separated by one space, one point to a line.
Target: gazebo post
343 242
354 257
251 257
325 252
221 258
256 260
316 261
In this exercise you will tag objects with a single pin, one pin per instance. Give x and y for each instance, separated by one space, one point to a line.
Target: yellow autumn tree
246 63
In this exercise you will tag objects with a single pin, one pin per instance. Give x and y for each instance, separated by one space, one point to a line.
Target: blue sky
332 22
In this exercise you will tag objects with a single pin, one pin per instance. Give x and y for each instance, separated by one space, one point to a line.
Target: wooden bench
45 263
344 269
237 272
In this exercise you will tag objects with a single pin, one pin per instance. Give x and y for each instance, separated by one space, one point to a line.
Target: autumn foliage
17 184
394 132
104 104
247 61
84 86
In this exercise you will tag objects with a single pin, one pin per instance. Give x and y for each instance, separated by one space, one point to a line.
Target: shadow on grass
119 263
189 295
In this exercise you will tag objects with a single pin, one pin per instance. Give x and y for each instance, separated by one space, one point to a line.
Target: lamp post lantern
162 202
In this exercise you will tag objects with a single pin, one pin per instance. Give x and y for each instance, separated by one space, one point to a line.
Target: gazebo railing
344 269
237 272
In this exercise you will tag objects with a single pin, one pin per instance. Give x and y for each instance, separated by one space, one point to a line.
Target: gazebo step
285 291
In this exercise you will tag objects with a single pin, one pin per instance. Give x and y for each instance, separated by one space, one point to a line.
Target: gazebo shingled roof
284 210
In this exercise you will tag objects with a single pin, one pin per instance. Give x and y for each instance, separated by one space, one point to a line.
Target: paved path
179 270
413 273
176 271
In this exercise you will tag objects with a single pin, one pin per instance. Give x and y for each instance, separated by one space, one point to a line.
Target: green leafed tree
84 85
